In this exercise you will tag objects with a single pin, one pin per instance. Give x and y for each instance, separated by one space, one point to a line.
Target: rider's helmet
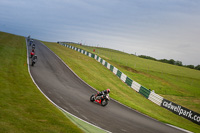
108 90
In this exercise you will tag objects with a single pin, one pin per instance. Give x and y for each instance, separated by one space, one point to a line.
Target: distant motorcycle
30 42
34 60
33 46
28 39
32 54
103 101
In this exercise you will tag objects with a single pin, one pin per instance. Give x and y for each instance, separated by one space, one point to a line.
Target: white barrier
123 77
136 86
90 55
108 65
157 99
103 62
95 57
115 70
99 59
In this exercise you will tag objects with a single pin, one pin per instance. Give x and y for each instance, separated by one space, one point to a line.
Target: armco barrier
96 57
144 91
155 98
123 77
111 68
92 55
108 65
119 73
105 64
152 96
115 70
99 59
136 86
128 81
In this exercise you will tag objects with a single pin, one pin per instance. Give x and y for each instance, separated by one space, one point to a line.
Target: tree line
171 61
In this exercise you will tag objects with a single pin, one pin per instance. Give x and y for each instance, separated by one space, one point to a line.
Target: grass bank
175 83
101 78
23 108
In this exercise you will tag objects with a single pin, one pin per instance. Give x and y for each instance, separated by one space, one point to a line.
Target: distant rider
32 53
99 94
31 41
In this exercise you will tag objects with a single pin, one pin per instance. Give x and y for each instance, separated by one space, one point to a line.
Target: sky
163 29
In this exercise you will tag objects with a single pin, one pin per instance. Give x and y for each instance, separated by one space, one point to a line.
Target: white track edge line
180 128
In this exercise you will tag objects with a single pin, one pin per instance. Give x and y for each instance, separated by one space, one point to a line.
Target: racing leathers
100 94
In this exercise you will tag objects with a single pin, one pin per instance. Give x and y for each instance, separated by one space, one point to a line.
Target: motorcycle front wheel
104 102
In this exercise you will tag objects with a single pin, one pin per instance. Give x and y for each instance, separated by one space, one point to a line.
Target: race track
69 92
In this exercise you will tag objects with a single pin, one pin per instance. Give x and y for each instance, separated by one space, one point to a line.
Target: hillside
175 83
23 108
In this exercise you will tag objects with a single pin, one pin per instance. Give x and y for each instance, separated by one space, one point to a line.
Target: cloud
155 28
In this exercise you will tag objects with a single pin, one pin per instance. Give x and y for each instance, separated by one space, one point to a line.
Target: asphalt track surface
69 92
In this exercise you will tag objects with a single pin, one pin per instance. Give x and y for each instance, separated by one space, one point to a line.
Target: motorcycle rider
99 94
31 41
32 53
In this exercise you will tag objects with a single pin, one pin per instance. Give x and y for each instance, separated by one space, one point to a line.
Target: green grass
87 128
175 83
23 108
101 78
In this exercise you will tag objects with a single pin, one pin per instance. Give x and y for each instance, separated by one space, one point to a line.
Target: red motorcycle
103 100
32 53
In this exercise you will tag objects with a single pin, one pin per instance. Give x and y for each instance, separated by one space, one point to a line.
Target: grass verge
23 108
175 83
87 128
100 78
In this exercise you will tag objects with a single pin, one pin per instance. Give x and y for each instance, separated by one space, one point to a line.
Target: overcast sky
161 29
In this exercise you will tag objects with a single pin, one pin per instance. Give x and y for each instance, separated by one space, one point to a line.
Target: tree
164 60
171 61
197 67
190 66
146 57
178 63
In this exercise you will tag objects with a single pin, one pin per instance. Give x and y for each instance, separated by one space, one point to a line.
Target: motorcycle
33 46
103 100
30 42
34 60
32 54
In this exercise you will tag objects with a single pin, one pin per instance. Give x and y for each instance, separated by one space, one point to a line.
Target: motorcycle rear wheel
92 98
